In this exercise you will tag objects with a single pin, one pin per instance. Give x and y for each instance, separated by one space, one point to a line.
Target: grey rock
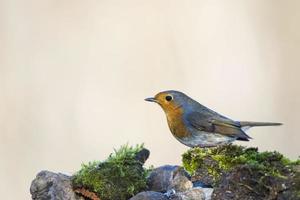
191 194
142 155
168 177
203 175
170 193
149 195
180 181
207 192
52 186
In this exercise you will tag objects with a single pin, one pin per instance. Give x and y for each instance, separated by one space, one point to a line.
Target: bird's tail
251 124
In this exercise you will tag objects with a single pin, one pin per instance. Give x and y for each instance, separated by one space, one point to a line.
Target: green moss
219 160
119 177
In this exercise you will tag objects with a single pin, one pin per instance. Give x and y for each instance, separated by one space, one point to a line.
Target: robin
195 125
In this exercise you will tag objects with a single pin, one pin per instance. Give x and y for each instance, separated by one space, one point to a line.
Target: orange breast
176 124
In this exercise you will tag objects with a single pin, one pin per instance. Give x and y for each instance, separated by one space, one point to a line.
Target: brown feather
222 126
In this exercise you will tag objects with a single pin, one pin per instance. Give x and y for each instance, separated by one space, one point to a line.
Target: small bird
195 125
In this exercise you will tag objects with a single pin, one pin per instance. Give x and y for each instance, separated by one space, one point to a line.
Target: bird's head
170 100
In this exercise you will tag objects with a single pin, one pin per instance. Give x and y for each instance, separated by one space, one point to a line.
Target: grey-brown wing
216 124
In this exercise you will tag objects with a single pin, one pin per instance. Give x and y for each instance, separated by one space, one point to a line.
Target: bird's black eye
169 98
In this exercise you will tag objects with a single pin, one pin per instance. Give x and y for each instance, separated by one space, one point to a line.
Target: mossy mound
120 177
224 158
244 173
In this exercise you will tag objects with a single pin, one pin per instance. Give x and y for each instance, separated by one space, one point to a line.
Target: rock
208 193
191 194
208 190
204 174
180 181
142 155
149 195
292 186
248 183
52 186
169 177
238 172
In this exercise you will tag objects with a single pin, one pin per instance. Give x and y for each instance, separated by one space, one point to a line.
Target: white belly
205 139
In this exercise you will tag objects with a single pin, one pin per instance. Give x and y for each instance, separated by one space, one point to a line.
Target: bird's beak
151 99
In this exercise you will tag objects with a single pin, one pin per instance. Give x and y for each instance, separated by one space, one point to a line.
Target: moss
119 177
219 160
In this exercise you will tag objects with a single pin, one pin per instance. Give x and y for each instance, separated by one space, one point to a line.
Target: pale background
73 76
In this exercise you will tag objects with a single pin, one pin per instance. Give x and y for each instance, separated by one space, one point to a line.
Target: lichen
219 160
120 176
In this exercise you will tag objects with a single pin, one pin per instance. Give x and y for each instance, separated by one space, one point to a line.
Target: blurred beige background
73 76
